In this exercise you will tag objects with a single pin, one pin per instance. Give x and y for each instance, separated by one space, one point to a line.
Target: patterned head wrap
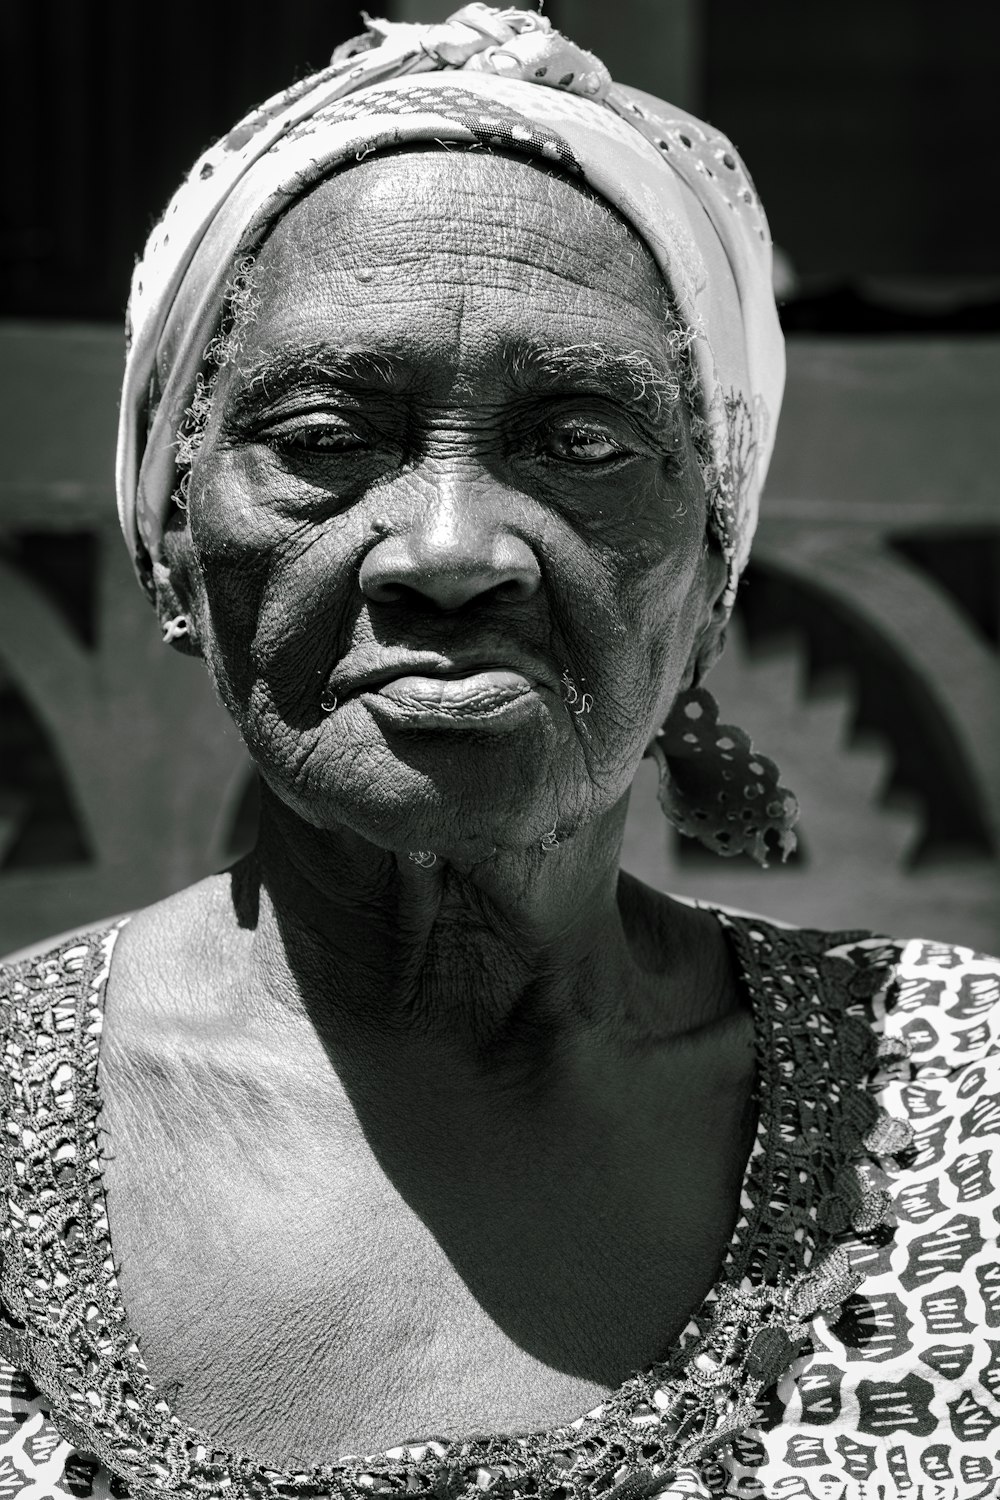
510 82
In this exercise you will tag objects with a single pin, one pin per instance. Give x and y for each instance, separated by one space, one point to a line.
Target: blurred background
864 654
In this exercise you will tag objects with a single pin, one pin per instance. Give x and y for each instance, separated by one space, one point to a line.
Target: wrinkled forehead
431 228
390 117
459 181
460 275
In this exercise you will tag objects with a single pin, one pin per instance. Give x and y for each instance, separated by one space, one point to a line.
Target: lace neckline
63 1320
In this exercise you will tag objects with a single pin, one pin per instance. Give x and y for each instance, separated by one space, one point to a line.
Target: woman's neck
463 950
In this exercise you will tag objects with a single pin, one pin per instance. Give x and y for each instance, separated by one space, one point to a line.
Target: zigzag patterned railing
154 771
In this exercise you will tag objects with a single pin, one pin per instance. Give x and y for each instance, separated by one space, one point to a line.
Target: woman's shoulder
939 1001
942 999
62 962
947 1001
34 954
44 985
162 924
926 971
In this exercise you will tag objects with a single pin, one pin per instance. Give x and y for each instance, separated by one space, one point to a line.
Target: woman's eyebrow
630 377
278 371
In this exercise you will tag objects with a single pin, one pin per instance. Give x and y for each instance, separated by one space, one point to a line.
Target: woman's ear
712 636
174 608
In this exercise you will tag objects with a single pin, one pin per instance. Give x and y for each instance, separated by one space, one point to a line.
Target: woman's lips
484 688
428 701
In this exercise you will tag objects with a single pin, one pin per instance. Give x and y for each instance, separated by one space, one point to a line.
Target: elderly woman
424 1134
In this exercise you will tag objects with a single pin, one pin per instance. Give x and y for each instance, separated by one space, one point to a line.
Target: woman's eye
316 437
584 445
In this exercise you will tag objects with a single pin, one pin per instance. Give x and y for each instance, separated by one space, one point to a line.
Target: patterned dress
850 1349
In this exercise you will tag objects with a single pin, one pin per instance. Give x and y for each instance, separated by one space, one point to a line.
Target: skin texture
449 1148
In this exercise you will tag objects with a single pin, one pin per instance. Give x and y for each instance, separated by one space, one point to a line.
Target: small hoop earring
425 858
327 706
580 703
174 629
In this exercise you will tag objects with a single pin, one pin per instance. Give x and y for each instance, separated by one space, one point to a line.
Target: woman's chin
405 782
464 813
465 835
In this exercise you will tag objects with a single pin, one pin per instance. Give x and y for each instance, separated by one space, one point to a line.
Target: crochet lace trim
812 1190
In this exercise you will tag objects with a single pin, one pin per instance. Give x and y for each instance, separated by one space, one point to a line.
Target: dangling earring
174 629
714 787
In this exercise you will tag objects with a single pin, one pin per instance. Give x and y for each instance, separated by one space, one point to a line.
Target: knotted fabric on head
503 79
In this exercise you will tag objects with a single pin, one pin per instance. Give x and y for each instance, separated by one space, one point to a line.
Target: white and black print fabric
849 1351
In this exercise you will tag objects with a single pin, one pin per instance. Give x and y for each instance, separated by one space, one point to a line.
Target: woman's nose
450 559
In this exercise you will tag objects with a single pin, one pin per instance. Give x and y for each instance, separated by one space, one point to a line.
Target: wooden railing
852 664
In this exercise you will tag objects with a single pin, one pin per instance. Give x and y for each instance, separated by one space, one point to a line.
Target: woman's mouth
479 697
484 688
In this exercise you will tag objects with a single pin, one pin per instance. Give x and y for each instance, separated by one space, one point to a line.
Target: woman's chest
338 1335
298 1294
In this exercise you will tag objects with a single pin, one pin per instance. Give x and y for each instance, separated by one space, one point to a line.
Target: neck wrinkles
467 953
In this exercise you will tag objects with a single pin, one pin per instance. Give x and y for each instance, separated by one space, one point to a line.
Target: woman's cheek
663 603
235 541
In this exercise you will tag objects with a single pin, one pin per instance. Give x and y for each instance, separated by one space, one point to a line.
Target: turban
503 79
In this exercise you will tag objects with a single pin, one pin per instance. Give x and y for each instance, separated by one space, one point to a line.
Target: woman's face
447 485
